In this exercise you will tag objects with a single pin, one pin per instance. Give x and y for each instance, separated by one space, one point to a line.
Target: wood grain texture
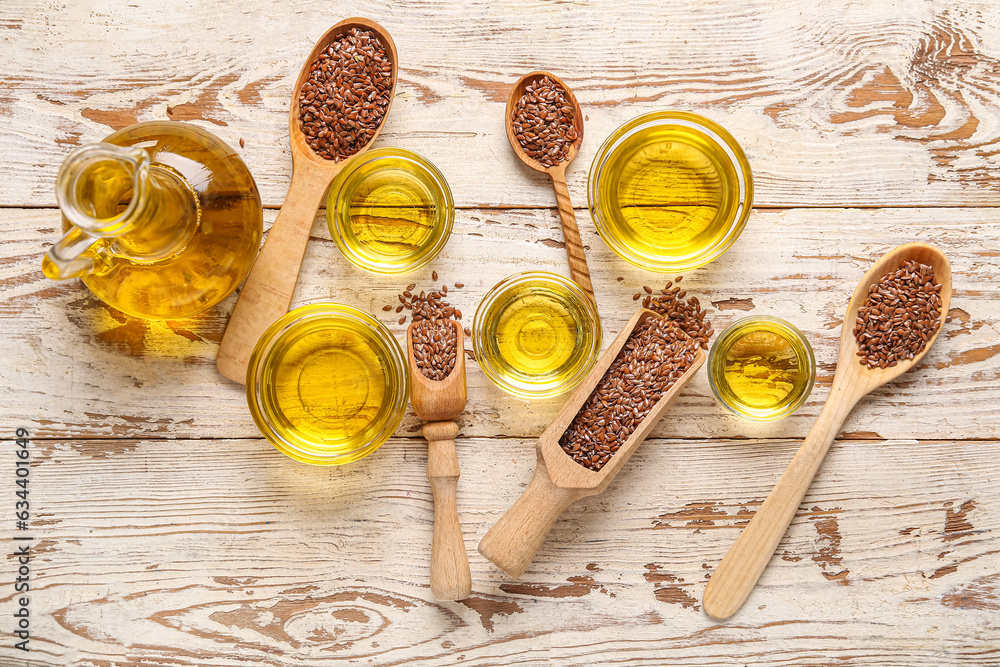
79 369
879 104
450 577
575 253
571 233
226 553
438 400
743 564
169 534
268 290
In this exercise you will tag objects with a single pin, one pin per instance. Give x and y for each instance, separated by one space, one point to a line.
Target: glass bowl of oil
670 191
390 211
327 384
536 334
761 368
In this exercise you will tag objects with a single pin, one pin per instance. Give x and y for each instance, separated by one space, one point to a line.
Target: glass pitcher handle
75 254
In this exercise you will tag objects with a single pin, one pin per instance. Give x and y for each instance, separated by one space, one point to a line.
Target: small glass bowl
670 191
390 211
536 334
789 381
327 384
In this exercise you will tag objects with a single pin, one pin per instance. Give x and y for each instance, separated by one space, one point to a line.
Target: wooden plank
226 553
884 105
79 369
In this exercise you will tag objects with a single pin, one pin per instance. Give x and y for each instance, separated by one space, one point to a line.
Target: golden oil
762 368
670 191
327 384
536 334
195 237
390 211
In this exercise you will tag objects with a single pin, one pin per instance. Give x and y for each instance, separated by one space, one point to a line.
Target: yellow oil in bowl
390 211
327 384
761 368
536 334
670 191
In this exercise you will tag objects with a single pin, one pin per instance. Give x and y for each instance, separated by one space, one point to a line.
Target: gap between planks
461 438
585 209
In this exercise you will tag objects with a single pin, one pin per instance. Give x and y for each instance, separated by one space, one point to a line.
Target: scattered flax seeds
653 358
689 314
902 311
435 341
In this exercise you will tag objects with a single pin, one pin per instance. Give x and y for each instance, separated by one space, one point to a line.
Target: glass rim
538 390
439 234
715 132
78 162
286 325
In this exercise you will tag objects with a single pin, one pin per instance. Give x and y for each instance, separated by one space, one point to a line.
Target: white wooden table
167 532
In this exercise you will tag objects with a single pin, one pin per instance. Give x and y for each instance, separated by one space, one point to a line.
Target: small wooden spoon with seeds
742 566
268 289
439 402
559 481
571 233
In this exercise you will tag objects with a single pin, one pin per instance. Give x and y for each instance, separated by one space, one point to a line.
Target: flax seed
689 314
346 96
655 355
543 122
435 341
901 313
653 358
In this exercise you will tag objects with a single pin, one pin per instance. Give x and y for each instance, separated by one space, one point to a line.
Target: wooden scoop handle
742 566
268 289
513 541
571 233
450 576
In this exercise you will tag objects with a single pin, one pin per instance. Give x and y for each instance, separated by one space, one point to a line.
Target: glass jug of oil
162 220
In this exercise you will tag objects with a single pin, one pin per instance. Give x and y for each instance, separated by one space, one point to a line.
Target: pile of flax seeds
657 353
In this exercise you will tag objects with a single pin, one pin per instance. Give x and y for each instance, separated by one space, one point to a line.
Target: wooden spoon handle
571 233
268 289
450 575
742 566
514 540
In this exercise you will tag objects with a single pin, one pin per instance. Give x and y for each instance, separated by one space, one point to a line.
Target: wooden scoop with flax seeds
559 480
439 401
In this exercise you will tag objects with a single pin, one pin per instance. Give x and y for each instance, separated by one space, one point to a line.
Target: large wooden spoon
268 289
571 233
439 402
739 571
559 481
